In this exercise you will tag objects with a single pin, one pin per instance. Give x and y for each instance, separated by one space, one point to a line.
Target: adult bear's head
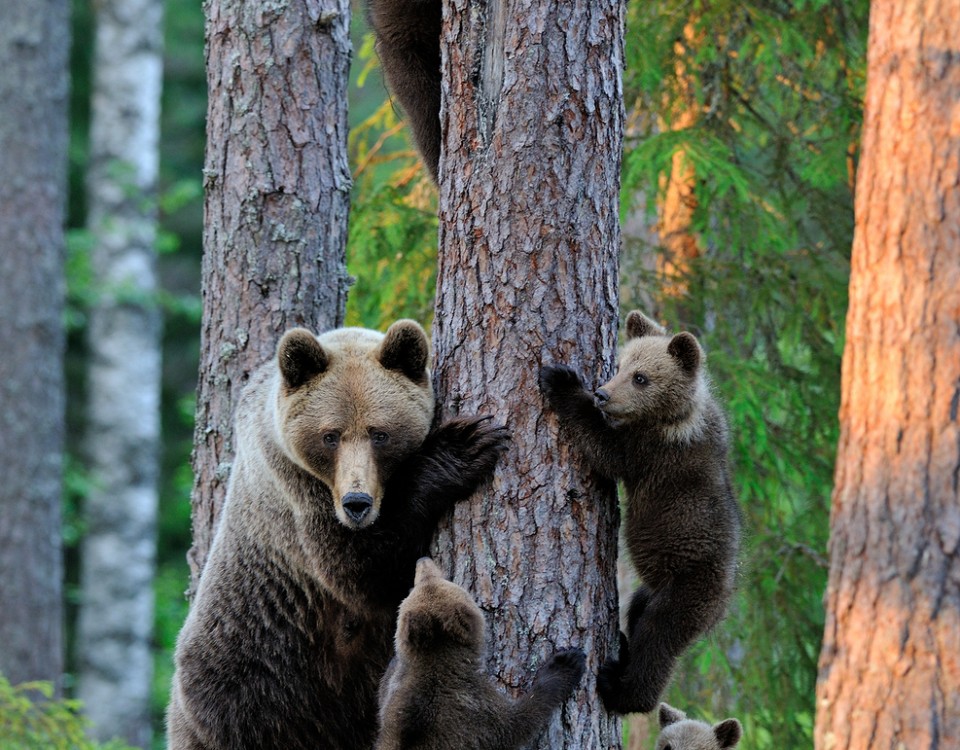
352 405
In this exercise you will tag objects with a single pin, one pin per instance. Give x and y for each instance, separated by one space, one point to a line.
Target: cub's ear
669 715
728 733
406 350
639 325
427 570
420 630
685 349
460 625
300 357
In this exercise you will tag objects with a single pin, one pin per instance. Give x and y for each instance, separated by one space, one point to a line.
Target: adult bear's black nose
357 505
600 397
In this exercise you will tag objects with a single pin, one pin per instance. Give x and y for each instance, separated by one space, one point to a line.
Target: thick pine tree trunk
277 199
119 548
34 42
529 244
890 664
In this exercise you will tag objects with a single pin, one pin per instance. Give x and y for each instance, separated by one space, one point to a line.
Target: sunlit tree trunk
679 245
34 42
123 414
529 242
890 664
277 195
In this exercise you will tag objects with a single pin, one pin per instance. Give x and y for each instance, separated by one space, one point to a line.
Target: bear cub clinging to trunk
434 696
656 426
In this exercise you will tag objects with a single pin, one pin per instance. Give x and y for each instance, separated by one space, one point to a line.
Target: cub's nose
357 505
601 397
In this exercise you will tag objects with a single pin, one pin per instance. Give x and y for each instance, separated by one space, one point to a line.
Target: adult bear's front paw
560 674
558 382
465 450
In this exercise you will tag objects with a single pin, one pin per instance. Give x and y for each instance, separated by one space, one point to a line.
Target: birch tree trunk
890 665
277 197
34 42
529 242
123 434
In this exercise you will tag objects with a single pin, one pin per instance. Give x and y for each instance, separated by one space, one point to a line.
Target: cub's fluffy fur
408 44
334 494
434 696
680 733
656 426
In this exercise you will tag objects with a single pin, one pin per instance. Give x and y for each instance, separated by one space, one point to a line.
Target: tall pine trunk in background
277 188
34 83
123 410
529 243
890 664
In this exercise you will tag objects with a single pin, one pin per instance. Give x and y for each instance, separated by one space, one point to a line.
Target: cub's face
680 733
352 404
438 615
657 379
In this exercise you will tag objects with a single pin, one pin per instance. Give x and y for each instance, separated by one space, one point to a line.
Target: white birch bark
119 549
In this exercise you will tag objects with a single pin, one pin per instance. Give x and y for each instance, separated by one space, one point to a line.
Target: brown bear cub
335 492
435 697
680 733
656 426
408 45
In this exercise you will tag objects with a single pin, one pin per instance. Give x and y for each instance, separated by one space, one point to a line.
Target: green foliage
31 720
769 98
392 246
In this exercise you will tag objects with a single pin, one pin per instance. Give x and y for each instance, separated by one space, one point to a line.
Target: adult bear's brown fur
334 494
435 697
656 427
408 43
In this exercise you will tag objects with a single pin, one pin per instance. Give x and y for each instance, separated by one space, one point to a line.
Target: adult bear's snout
357 505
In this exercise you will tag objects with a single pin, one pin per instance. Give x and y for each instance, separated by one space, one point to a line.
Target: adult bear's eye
640 379
331 439
379 437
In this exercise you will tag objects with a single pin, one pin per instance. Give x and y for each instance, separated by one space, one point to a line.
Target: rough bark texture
529 239
890 664
119 548
277 198
34 42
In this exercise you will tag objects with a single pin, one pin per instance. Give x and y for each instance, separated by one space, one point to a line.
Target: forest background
737 208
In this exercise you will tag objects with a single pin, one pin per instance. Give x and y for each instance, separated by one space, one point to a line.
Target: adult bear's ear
669 715
728 733
639 325
301 357
684 348
406 349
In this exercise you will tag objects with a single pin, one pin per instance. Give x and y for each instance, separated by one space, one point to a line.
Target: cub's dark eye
640 379
379 437
331 439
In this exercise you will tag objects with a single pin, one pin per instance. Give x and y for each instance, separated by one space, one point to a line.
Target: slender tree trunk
679 246
529 240
277 198
119 548
890 664
34 41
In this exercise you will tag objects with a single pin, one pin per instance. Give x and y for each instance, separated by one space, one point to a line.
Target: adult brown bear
335 492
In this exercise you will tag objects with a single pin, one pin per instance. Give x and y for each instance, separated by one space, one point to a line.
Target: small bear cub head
351 405
660 380
438 617
680 733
